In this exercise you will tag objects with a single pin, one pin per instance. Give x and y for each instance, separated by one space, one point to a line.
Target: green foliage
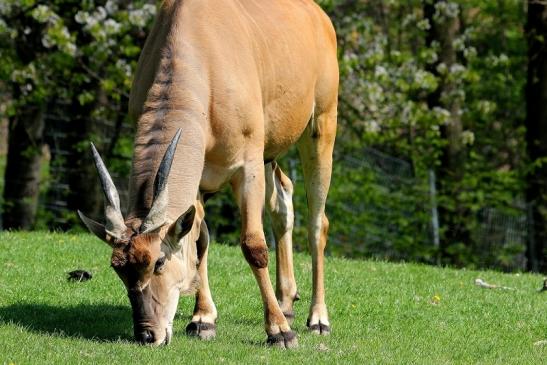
65 54
60 50
387 76
87 51
380 312
90 34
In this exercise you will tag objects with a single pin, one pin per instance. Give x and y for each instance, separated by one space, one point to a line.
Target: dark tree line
66 89
536 128
445 27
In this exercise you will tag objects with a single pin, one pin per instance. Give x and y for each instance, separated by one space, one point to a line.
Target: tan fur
244 80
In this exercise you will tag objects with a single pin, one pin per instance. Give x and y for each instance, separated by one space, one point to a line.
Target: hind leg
316 148
279 191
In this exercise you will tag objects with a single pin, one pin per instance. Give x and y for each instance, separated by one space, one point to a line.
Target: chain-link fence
501 237
59 138
381 209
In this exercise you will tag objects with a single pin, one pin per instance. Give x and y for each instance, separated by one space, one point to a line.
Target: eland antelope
222 89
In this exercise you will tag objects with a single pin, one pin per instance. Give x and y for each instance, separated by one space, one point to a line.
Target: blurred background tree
433 119
536 128
68 65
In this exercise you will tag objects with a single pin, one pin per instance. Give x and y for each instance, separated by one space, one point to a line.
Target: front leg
205 312
248 186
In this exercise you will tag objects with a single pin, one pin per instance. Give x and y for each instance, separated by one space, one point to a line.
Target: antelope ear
97 229
181 227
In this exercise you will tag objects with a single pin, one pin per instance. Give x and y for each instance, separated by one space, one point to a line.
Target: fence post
434 212
533 263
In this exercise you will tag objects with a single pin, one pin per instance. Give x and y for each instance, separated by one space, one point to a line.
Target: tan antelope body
243 81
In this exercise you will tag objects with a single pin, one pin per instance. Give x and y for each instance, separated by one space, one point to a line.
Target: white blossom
408 19
441 68
111 26
3 27
70 48
372 126
470 52
28 72
42 13
111 7
137 17
99 14
445 9
420 77
486 106
442 114
380 71
81 17
124 67
503 59
423 24
47 41
457 68
459 44
149 9
5 7
468 137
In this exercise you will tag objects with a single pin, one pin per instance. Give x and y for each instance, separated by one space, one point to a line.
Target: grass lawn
380 312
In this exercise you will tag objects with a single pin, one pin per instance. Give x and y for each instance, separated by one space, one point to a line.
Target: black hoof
318 328
205 331
284 340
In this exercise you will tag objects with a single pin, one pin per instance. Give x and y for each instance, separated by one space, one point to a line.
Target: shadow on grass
96 322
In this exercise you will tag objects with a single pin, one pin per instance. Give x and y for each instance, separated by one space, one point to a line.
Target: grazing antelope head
149 255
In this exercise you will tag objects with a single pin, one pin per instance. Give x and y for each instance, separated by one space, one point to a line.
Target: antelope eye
159 264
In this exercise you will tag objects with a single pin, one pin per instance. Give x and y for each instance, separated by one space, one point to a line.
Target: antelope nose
145 337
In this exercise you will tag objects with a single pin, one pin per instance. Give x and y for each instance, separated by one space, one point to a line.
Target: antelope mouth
146 338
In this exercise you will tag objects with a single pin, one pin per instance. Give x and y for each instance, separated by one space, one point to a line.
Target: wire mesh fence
389 213
59 137
502 237
384 209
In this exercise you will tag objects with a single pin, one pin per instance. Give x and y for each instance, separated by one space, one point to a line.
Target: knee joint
283 220
325 225
255 250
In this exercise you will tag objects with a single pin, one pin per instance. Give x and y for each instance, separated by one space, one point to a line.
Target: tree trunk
25 143
22 175
536 130
444 28
3 154
3 136
85 190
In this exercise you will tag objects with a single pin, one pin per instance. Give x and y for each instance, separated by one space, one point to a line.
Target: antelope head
150 256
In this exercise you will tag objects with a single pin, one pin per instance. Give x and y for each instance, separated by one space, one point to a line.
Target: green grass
380 312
